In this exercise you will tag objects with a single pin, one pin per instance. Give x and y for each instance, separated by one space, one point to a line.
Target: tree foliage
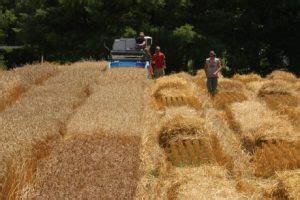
250 35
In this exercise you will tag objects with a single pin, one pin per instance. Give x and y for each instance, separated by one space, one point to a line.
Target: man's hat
157 48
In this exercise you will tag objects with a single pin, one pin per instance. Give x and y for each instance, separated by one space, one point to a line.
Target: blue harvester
125 54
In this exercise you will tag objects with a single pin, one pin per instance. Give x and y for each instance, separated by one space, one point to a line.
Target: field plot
14 83
81 131
115 105
96 166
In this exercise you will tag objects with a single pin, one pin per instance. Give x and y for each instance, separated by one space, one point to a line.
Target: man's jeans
212 84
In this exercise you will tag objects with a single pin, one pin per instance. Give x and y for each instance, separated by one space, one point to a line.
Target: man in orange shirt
159 63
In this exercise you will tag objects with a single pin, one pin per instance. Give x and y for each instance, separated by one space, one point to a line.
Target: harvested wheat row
36 74
116 107
87 167
288 185
41 113
13 83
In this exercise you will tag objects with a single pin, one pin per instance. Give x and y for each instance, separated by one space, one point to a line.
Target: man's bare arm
205 67
219 67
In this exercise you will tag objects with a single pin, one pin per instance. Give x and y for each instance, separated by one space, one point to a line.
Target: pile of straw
276 156
282 75
175 91
279 94
247 78
230 85
183 128
277 87
206 182
288 185
226 98
258 123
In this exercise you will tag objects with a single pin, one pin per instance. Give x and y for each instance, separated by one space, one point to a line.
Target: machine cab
129 44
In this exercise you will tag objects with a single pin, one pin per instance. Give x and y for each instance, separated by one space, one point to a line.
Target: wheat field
81 131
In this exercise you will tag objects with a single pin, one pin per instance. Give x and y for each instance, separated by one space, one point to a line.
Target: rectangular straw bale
247 78
276 156
206 182
282 75
230 85
257 124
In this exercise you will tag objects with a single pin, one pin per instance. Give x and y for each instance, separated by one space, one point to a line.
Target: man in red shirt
159 63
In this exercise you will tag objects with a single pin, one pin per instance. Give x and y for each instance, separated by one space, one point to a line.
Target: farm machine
125 54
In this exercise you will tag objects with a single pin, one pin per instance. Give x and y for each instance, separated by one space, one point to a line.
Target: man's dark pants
212 84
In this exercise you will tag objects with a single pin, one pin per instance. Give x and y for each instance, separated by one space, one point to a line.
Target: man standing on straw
212 69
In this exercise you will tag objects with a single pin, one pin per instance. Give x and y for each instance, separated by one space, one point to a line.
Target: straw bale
288 185
293 114
183 75
181 127
201 74
196 144
255 86
247 78
226 98
276 156
257 124
87 167
278 94
206 182
175 90
230 85
276 87
172 81
282 75
297 87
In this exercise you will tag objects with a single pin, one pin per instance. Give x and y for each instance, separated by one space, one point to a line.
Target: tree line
249 36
